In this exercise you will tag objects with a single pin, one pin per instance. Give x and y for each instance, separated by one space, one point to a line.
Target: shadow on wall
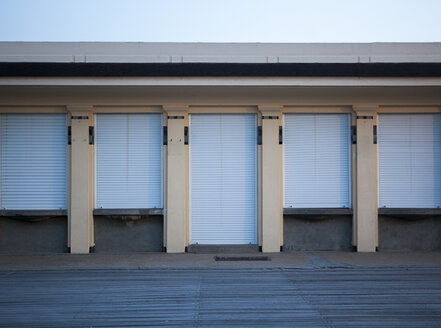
317 233
411 234
25 236
128 234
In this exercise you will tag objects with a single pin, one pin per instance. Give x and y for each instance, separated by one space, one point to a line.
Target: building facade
135 147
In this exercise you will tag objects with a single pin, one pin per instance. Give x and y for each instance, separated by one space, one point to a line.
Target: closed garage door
33 161
128 161
409 160
223 179
317 161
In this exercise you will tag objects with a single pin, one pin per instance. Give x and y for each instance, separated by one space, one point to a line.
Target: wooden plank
399 297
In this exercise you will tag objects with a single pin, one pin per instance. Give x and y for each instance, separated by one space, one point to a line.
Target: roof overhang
38 69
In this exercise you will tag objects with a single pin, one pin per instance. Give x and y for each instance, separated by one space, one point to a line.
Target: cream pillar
80 210
271 184
366 180
175 212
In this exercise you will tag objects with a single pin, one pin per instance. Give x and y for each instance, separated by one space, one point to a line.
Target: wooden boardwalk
350 297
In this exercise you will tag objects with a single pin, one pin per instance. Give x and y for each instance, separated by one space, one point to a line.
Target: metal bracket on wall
185 135
375 134
80 117
175 117
91 135
164 136
280 135
365 117
270 117
354 134
69 135
259 135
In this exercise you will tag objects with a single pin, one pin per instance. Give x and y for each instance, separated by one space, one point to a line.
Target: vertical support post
366 209
271 184
80 211
176 180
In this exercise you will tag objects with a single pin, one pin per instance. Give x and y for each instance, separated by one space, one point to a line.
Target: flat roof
257 53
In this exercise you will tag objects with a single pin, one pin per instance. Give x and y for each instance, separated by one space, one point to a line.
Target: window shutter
223 157
128 161
33 161
409 160
317 161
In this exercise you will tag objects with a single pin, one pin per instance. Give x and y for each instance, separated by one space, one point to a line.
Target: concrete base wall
316 233
42 236
128 234
419 234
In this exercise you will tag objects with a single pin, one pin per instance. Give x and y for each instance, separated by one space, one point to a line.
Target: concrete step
226 249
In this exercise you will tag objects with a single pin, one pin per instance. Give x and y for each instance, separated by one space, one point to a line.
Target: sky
221 20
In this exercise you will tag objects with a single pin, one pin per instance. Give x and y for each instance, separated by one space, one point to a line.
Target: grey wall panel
398 234
21 237
128 234
317 233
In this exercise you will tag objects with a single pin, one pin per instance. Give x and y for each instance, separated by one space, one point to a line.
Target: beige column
80 209
176 182
271 184
366 207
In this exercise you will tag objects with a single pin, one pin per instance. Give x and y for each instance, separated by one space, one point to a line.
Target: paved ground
203 261
193 290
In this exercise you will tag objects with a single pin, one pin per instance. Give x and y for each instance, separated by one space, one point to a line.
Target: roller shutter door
317 161
33 161
409 160
223 179
128 161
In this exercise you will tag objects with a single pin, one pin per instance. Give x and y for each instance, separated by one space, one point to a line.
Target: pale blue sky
221 20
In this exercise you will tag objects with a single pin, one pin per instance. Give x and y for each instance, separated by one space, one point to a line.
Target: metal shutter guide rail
129 211
259 135
317 211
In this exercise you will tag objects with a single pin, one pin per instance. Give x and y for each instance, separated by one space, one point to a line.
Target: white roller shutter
33 161
223 179
409 160
316 161
128 161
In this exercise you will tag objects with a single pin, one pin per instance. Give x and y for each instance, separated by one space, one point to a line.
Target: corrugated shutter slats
409 160
128 167
223 179
33 161
316 161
